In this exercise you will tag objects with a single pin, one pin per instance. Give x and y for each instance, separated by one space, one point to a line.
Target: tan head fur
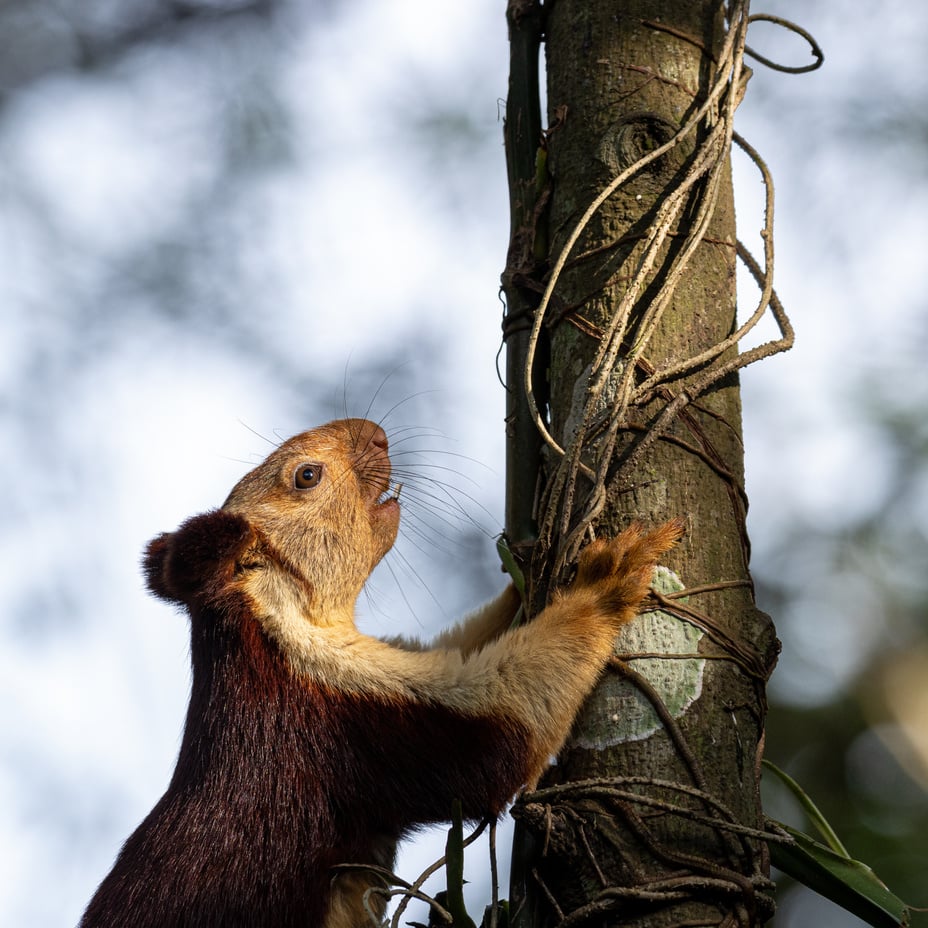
321 508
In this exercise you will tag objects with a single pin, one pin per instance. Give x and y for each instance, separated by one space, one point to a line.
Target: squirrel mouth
390 495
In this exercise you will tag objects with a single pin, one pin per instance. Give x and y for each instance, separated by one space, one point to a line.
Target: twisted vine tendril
589 449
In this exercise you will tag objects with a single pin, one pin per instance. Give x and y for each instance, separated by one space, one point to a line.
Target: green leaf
454 869
510 565
810 808
831 871
847 882
502 915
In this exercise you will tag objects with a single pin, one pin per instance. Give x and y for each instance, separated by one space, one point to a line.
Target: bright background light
236 229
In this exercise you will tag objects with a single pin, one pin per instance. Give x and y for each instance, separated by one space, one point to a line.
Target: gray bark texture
650 816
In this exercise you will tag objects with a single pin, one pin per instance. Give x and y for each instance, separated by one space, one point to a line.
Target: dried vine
565 521
562 810
394 886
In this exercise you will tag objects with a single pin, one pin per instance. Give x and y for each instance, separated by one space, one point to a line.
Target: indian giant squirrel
308 744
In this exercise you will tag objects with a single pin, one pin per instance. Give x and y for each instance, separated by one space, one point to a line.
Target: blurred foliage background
222 221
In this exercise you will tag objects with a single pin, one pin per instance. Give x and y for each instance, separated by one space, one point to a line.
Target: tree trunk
638 823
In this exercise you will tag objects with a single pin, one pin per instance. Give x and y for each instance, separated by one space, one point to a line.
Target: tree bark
680 728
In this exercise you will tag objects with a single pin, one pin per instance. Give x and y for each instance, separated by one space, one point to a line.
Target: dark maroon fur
198 559
278 780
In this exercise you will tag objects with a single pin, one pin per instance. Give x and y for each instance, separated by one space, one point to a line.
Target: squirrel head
311 522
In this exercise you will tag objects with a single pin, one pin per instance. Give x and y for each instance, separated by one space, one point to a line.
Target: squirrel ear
198 558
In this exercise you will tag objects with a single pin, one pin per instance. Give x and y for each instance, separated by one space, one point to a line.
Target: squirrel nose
367 433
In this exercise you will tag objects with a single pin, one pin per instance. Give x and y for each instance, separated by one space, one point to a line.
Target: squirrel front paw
619 570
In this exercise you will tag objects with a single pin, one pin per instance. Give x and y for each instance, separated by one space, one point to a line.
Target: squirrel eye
307 476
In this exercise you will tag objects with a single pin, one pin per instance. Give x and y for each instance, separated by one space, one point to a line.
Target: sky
353 267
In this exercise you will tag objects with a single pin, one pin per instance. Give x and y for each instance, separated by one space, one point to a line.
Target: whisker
400 403
397 563
428 537
257 434
425 504
449 494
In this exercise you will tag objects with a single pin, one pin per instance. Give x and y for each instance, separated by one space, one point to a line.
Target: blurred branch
43 39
